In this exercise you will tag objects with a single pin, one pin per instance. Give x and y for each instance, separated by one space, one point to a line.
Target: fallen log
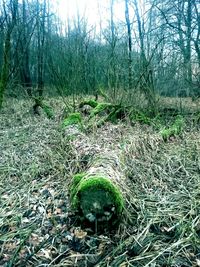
39 103
97 193
102 112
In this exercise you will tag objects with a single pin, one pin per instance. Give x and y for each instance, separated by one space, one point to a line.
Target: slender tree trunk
188 45
25 68
11 22
141 34
128 25
146 81
112 66
196 40
41 42
5 66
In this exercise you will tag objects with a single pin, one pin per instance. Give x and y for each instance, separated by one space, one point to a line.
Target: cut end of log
97 198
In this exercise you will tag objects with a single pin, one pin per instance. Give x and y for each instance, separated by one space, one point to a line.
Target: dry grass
37 226
180 103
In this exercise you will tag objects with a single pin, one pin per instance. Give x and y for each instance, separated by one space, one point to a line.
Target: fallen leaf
57 211
79 233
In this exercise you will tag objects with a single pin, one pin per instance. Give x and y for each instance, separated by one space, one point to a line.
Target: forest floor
37 225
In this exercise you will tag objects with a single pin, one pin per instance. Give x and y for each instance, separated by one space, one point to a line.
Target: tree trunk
188 44
128 25
25 68
41 44
5 67
11 22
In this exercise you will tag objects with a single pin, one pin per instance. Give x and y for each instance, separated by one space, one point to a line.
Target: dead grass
183 104
37 226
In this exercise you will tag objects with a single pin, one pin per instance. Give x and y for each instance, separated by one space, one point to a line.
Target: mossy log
97 193
39 103
72 119
90 102
102 112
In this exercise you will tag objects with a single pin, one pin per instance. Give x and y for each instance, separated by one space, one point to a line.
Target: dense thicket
156 48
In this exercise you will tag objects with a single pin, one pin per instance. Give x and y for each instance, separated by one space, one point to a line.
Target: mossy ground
37 225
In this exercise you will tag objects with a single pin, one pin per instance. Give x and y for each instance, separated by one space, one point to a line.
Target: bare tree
41 12
10 13
128 24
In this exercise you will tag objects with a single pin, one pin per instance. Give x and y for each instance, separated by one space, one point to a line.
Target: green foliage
138 116
72 119
175 130
82 184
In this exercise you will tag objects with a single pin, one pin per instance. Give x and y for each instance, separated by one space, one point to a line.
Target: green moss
97 183
107 112
78 177
175 130
74 186
72 119
100 108
90 102
47 109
